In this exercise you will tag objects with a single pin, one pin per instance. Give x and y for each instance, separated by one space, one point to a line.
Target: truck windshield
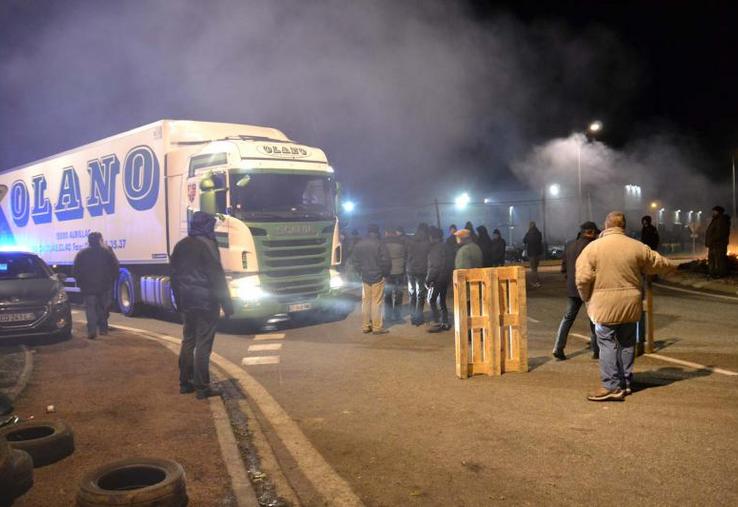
273 197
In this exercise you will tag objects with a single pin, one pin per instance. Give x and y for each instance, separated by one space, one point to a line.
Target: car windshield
17 266
272 197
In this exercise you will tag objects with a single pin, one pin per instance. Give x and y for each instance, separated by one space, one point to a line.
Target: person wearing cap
469 255
96 270
372 262
717 238
200 292
587 233
609 276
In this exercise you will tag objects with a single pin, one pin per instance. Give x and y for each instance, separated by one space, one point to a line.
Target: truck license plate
300 307
16 317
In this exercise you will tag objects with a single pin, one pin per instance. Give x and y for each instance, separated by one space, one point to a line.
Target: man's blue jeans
617 352
572 309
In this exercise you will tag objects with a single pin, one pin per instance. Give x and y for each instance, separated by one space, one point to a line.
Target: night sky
408 99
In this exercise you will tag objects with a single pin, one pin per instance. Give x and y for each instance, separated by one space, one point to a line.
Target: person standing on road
469 255
200 292
717 238
96 270
649 233
440 270
372 262
499 248
417 270
470 227
588 232
485 244
396 243
609 274
533 241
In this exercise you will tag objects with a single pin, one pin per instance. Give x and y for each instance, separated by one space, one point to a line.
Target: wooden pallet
490 314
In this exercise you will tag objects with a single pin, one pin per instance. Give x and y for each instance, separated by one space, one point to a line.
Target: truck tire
46 442
139 482
126 294
16 474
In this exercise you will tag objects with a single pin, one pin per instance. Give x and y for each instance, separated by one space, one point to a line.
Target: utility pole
438 213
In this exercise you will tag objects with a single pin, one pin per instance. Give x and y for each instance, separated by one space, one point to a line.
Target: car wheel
46 442
16 473
126 295
135 481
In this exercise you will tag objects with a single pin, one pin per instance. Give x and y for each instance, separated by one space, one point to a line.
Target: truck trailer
274 200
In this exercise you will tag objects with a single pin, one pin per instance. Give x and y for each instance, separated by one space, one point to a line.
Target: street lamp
348 206
554 190
462 201
594 128
654 205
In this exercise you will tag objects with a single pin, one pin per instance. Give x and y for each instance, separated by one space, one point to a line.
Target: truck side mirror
243 181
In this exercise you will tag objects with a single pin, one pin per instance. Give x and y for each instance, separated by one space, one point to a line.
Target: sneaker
445 327
381 331
207 392
91 336
559 355
603 394
366 331
628 391
186 389
103 333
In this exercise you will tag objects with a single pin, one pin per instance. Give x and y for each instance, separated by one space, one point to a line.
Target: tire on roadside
16 473
139 482
46 441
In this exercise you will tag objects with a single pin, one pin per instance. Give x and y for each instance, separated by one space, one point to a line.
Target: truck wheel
136 481
125 294
46 442
16 473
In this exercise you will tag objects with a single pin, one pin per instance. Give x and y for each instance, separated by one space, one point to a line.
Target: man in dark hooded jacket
717 238
417 269
588 232
200 292
533 241
440 270
373 262
498 249
96 270
485 244
649 233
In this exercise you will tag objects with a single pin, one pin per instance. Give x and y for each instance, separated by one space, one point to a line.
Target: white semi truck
275 201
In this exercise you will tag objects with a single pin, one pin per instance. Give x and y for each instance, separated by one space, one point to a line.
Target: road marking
314 467
690 364
698 293
265 346
250 361
534 320
269 336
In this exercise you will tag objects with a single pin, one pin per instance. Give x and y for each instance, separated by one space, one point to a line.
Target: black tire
16 474
137 482
47 442
126 293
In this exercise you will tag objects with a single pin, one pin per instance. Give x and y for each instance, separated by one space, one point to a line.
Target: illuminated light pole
462 201
348 206
661 216
510 224
594 128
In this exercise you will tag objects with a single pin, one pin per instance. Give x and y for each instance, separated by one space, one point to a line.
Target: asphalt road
389 415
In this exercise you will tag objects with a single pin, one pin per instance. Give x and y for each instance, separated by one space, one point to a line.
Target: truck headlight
247 289
335 280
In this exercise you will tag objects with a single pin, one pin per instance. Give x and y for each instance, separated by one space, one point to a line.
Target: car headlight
247 289
61 297
335 280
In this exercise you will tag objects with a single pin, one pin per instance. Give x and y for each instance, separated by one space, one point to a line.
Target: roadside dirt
120 395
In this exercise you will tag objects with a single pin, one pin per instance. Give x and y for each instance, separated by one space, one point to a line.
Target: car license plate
300 307
16 317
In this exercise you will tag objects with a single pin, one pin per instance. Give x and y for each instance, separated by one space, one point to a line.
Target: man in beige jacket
609 276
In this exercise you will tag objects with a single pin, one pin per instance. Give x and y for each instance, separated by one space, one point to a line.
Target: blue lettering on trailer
141 178
41 212
102 185
19 203
69 204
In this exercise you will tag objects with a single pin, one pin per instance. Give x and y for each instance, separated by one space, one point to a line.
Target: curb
25 375
708 288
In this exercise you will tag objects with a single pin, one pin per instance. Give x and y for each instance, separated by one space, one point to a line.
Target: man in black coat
498 249
417 269
717 238
440 269
649 233
533 241
96 270
373 262
588 233
200 292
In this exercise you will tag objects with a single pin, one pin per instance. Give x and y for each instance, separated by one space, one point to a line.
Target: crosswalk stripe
269 336
250 361
265 346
